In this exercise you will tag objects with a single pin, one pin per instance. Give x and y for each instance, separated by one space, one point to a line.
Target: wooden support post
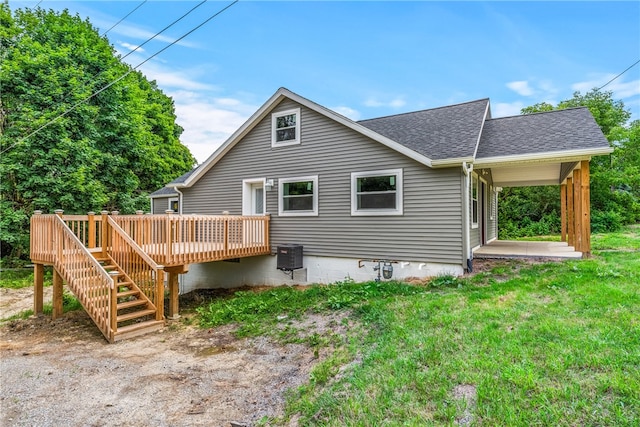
586 209
577 208
571 237
173 296
91 229
57 294
113 305
563 212
159 302
105 233
38 288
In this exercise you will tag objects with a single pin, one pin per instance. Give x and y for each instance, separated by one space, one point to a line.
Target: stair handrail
158 269
104 324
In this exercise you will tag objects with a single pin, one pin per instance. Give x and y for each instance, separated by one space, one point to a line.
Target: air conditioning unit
289 257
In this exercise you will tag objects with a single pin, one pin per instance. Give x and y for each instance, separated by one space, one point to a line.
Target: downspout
467 256
179 200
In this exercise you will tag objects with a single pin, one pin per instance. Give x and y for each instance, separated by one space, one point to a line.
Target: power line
119 78
125 17
94 77
630 67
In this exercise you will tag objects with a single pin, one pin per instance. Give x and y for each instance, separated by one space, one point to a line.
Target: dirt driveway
63 373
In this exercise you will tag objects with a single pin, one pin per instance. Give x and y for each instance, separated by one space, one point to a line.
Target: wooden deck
116 264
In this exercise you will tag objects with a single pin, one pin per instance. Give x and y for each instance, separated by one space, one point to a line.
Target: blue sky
370 59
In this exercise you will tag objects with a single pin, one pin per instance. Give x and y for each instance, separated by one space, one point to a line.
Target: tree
615 180
106 153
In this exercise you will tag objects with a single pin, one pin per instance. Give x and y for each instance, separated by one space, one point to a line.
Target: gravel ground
63 373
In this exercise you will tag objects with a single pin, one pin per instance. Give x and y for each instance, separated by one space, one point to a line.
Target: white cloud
506 109
394 103
619 87
130 46
208 122
181 79
347 112
521 87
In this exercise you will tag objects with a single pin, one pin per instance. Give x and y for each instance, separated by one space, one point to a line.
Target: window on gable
285 128
298 196
376 192
474 201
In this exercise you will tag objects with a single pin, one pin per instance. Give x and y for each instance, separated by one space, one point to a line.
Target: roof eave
563 156
445 163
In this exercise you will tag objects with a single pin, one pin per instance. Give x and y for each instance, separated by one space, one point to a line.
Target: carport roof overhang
550 168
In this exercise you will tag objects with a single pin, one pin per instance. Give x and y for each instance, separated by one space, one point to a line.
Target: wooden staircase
135 312
119 285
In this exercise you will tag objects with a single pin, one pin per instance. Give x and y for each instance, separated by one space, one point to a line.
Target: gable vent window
298 196
285 128
376 192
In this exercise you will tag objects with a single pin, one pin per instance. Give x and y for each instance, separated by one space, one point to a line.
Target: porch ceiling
526 175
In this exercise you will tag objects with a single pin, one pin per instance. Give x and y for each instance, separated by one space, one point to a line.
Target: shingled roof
449 132
553 131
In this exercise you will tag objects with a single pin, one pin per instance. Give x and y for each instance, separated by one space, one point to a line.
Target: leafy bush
603 222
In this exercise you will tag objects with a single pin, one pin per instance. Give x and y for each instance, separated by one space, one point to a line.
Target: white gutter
467 168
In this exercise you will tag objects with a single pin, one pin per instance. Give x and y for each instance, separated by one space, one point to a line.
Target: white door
253 203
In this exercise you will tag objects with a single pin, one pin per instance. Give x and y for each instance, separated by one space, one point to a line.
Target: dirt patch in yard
63 373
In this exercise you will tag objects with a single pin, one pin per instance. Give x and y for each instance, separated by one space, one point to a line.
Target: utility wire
630 67
125 17
119 78
95 76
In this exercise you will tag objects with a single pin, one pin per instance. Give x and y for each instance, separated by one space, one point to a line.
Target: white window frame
282 181
274 120
474 181
171 201
399 210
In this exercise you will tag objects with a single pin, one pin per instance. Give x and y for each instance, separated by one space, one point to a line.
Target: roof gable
266 109
450 132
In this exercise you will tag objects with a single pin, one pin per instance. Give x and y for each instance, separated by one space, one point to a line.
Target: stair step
132 303
135 315
129 293
136 329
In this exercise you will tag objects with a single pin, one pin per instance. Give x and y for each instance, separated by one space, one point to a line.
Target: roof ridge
424 109
538 113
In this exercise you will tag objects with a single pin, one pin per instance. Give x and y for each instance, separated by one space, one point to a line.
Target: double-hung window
298 196
285 128
376 192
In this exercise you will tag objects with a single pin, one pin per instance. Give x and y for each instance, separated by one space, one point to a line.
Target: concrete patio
519 249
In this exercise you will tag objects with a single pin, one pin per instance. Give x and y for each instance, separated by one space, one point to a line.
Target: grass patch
22 278
543 344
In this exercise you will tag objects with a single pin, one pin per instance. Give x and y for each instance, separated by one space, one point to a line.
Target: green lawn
547 344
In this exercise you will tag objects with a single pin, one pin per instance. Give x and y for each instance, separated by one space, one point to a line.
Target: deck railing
88 281
187 239
169 240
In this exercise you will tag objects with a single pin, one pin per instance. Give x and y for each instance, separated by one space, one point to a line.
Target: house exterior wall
261 271
430 229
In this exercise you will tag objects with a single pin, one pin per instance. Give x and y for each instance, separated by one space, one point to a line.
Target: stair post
105 232
91 242
38 280
113 303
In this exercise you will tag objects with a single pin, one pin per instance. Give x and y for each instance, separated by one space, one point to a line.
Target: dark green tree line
615 179
106 153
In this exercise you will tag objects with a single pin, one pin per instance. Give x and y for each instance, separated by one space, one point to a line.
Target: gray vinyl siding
160 205
430 230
